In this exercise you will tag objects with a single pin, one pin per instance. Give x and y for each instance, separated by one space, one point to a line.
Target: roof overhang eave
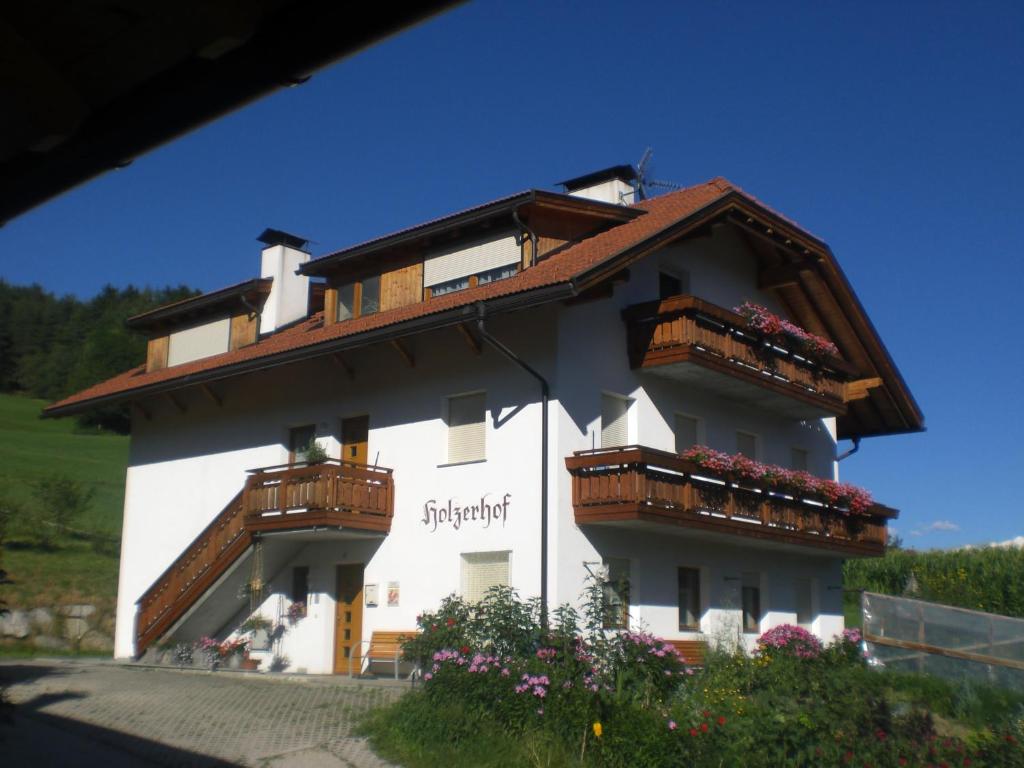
446 318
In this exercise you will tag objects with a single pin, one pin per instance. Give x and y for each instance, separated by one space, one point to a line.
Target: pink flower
672 725
428 676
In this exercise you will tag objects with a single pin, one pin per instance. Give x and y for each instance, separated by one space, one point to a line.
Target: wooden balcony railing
642 485
191 574
685 329
333 494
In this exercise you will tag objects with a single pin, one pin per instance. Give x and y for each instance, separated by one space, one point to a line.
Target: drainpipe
533 237
849 453
544 394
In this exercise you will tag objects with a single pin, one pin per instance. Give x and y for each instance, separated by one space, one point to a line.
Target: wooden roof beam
341 362
471 341
404 351
211 395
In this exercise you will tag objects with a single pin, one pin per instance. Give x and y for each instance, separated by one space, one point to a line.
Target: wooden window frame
700 432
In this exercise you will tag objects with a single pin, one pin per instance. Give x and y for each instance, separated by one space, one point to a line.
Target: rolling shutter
199 341
481 571
466 428
614 424
469 259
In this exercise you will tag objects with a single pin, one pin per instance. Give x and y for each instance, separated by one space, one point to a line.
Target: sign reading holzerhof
454 514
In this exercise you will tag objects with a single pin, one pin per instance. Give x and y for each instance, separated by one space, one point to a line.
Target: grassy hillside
33 449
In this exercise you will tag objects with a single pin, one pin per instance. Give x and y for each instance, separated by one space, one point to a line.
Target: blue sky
893 131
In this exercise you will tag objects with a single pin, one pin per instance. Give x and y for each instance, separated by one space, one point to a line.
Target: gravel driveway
113 715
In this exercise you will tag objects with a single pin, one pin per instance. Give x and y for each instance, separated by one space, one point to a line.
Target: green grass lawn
33 449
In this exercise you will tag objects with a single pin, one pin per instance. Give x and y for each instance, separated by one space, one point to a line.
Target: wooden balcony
334 494
640 487
688 339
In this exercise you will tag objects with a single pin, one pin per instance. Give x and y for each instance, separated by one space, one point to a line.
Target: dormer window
359 298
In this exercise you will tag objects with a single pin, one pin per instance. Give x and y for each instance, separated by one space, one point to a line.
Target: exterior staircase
332 494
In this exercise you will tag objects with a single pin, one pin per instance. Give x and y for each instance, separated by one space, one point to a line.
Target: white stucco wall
186 466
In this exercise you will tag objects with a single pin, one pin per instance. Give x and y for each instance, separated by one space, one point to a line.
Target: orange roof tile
561 267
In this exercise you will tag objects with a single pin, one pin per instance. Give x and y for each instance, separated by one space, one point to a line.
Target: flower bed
784 332
502 692
844 496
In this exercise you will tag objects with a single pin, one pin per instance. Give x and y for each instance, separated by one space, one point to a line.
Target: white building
416 362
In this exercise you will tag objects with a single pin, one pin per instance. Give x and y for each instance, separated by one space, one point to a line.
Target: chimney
611 185
289 294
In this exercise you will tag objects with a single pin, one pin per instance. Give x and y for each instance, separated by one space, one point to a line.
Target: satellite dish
644 182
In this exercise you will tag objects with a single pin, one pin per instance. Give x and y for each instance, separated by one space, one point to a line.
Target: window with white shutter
481 571
467 431
687 432
614 421
472 258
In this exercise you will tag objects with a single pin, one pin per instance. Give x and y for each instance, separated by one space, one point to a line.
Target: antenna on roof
644 182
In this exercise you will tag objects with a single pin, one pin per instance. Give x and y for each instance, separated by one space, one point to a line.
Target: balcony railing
636 485
685 329
332 493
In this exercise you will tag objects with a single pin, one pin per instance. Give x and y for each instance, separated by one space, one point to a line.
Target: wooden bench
692 651
387 646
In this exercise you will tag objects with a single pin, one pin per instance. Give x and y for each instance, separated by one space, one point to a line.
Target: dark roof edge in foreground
627 172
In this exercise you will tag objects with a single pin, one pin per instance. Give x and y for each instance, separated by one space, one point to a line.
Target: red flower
693 731
706 714
848 756
703 727
903 761
721 720
450 622
464 650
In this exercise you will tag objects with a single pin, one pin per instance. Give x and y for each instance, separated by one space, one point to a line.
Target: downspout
849 453
533 237
544 394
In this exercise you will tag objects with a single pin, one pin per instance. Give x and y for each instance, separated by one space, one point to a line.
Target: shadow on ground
30 736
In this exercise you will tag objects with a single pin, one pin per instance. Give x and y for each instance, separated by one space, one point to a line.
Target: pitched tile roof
560 267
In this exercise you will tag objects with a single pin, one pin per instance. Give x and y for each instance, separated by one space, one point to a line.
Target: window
689 599
481 571
673 283
299 440
614 422
300 587
449 269
498 273
369 301
687 432
466 428
359 298
616 593
798 459
804 598
751 602
746 443
451 286
346 302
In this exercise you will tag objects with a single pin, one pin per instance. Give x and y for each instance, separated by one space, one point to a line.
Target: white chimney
289 294
611 185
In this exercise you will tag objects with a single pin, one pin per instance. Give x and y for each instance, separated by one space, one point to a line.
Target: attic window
358 298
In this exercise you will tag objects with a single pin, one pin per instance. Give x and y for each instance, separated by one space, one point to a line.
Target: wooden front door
354 435
348 619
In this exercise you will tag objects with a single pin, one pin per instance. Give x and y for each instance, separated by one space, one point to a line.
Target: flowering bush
602 699
844 496
779 329
787 639
230 648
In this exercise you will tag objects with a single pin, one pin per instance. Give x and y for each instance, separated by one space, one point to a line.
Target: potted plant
258 628
232 651
296 611
210 650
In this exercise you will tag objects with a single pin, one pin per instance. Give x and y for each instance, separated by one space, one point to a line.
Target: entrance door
354 434
348 618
